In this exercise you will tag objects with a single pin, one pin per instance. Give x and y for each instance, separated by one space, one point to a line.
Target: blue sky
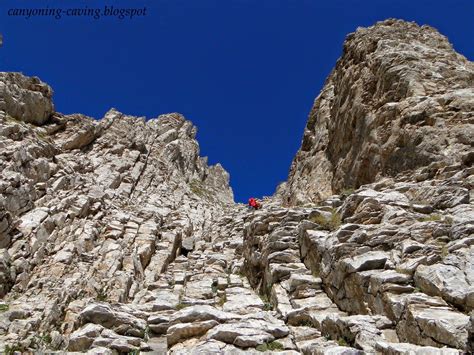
246 72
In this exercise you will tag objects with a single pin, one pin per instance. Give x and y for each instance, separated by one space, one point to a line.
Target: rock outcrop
399 98
117 237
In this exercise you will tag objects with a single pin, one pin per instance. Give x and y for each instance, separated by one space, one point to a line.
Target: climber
253 203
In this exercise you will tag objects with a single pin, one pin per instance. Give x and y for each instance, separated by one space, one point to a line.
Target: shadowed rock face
27 99
116 237
398 99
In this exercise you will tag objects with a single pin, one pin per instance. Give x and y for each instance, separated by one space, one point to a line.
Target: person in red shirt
254 203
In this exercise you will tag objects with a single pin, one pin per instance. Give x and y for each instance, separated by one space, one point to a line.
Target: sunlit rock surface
117 237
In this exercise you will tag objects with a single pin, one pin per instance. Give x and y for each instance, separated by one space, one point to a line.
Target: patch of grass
12 349
199 189
42 340
347 192
101 295
444 251
267 305
330 223
42 136
434 217
416 289
196 187
46 338
146 333
342 342
402 271
134 352
262 347
431 218
4 307
274 345
222 300
305 323
9 118
181 306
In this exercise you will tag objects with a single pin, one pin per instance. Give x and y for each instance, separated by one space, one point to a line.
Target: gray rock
26 99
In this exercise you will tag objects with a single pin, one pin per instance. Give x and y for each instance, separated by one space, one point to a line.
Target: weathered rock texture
399 98
116 237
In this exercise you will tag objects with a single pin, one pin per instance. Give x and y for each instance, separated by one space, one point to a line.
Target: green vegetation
46 338
330 223
41 340
431 218
214 286
267 305
101 295
222 300
134 352
305 323
4 307
416 289
347 192
274 345
402 271
12 349
434 217
342 342
12 119
146 333
42 136
200 190
196 187
181 306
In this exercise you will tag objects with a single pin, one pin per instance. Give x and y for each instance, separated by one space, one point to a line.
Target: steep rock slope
398 99
92 209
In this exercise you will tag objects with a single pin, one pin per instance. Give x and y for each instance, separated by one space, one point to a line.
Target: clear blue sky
245 72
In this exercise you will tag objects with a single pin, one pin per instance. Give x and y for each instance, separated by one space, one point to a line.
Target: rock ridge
399 98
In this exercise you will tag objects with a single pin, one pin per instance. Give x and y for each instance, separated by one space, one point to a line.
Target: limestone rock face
117 237
94 211
399 98
25 98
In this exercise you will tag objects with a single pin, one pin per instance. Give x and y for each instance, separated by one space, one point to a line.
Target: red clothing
253 203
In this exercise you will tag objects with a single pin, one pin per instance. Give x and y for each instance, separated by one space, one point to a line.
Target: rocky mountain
117 237
399 98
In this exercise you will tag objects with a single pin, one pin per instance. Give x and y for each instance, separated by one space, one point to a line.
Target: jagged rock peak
26 98
399 98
